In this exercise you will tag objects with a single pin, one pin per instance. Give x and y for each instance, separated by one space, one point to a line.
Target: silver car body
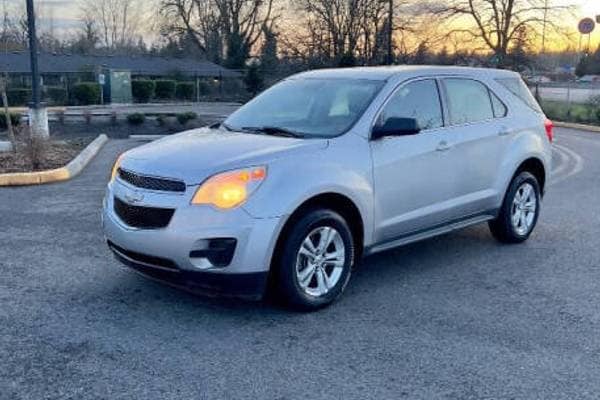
406 188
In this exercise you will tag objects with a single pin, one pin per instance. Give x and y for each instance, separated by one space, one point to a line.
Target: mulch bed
55 154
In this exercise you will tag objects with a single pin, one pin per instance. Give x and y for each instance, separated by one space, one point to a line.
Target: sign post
101 82
586 27
38 114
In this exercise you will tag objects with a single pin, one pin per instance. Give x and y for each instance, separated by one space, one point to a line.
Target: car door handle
443 146
504 131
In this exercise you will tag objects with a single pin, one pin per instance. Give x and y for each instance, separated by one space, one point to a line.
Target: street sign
598 19
101 79
586 26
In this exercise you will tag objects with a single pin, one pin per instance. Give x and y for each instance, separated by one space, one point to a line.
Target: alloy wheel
320 261
524 208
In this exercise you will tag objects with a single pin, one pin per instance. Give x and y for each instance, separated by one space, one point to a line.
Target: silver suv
324 168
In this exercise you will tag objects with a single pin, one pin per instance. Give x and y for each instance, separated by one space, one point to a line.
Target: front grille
143 258
143 217
151 183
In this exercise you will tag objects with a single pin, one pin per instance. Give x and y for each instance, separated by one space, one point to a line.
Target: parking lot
455 317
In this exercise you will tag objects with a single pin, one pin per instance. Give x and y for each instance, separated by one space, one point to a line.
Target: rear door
414 176
477 120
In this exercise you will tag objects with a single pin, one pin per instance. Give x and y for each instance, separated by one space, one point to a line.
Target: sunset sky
64 14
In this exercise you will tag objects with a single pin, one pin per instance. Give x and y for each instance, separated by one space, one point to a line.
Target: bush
56 95
184 91
14 118
143 90
161 120
136 118
165 89
18 97
86 93
36 150
184 118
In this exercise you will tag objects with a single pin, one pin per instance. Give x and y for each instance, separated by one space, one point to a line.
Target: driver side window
419 100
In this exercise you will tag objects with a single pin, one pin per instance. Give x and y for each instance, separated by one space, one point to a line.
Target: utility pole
4 83
544 27
38 114
390 55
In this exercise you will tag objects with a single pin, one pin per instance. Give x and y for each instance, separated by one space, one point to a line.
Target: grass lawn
578 113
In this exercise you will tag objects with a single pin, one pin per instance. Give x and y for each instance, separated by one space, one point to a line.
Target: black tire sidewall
289 288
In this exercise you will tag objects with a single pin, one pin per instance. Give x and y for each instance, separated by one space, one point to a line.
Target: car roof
403 71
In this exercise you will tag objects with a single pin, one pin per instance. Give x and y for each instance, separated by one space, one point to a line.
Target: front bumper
164 254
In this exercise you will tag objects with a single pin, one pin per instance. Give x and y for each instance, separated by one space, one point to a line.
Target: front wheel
316 260
520 210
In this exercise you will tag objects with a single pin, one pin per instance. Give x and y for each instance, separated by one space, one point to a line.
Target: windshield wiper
273 131
225 126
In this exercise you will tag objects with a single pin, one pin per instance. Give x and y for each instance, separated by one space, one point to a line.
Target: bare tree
223 29
497 23
342 29
86 38
118 21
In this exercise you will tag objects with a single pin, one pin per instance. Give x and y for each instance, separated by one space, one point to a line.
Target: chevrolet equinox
324 168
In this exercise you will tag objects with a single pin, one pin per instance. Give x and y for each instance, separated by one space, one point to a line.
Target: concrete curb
581 127
67 172
147 137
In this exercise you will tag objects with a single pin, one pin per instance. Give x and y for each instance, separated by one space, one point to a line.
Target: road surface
455 317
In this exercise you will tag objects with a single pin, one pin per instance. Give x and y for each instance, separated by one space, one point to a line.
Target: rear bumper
250 286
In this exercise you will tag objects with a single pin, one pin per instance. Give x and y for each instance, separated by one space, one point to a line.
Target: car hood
194 155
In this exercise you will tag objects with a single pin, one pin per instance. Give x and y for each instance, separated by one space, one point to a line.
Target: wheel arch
334 201
535 166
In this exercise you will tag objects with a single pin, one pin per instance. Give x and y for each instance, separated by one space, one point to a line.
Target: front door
415 181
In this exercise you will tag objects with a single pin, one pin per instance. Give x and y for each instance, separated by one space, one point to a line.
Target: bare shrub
35 148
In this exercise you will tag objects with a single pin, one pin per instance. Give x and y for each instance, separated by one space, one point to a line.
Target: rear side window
517 87
468 101
500 109
419 100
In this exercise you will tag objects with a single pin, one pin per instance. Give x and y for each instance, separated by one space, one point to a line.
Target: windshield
307 107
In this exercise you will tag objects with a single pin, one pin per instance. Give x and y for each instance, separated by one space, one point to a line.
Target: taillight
549 125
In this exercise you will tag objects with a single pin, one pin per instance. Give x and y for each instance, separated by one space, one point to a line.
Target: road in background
455 317
579 95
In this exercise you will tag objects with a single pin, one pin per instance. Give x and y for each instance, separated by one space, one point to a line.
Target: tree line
307 33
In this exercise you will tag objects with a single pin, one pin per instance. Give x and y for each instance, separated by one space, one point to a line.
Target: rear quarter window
468 101
517 87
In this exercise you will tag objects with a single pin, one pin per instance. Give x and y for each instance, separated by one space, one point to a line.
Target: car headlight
230 189
115 168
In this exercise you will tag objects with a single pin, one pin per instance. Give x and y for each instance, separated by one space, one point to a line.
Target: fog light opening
213 253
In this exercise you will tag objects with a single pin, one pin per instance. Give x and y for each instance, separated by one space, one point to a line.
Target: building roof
18 62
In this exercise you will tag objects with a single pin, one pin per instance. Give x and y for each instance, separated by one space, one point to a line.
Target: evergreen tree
584 66
519 58
254 78
268 57
443 58
421 56
237 52
347 60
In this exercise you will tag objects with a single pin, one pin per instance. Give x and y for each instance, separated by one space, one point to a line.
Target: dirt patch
50 154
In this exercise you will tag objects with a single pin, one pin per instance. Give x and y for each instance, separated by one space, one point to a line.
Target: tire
518 216
296 261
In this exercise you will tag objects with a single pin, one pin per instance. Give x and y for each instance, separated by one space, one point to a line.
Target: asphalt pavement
455 317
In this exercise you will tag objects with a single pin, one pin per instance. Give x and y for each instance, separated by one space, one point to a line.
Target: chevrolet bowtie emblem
134 197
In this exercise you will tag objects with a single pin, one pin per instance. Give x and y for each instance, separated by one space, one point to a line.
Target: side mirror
396 127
